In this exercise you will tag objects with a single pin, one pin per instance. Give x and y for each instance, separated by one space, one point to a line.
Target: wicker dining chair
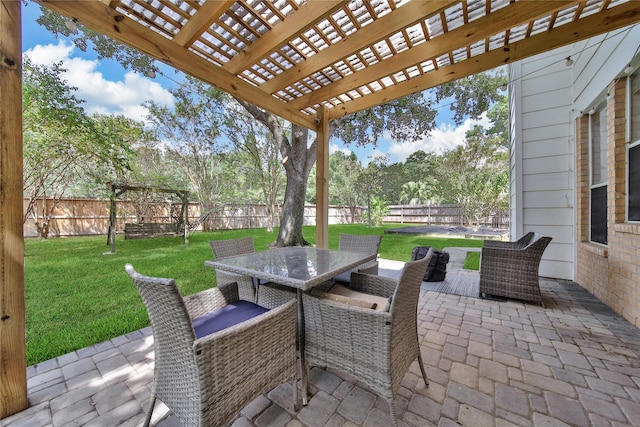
363 244
377 347
510 269
232 247
214 353
266 294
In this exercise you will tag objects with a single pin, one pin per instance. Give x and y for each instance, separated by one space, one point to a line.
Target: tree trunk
298 158
298 161
290 233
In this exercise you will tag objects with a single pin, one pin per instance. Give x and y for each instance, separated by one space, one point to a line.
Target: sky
108 88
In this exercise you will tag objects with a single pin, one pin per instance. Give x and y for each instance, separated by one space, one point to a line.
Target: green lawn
76 296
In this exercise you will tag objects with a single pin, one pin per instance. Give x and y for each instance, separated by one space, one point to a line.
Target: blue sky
108 88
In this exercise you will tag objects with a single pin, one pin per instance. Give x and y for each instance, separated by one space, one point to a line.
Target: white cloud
444 138
101 95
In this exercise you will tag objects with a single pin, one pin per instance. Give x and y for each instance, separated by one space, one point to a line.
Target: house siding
611 272
543 157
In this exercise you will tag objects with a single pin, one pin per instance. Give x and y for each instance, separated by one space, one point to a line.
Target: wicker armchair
206 377
267 294
376 347
510 269
365 244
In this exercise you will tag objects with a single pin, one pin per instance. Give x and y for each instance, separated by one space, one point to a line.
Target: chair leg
296 406
152 404
392 412
424 373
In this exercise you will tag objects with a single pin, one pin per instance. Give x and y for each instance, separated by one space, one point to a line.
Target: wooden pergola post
322 179
13 360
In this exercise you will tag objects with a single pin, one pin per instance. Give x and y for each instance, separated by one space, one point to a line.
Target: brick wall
611 272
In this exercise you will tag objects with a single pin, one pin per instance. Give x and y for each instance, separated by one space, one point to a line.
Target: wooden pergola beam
312 12
13 358
204 17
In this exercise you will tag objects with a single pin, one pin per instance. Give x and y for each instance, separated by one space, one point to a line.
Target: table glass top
293 266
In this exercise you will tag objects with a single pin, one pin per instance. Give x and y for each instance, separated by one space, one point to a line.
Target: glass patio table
301 268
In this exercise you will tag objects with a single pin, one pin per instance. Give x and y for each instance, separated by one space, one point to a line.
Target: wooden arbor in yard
116 190
306 61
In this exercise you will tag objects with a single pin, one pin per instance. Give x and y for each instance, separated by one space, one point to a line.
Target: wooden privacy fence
449 215
85 217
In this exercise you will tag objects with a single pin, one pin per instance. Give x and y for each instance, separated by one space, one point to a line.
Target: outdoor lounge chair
364 244
510 269
267 294
377 347
214 353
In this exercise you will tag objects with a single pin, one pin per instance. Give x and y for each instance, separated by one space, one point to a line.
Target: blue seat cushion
229 315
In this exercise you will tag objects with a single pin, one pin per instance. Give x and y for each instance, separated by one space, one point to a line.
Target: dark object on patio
364 244
214 353
510 269
377 347
267 294
437 269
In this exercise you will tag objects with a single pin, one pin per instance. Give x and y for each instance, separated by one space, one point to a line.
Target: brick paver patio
490 363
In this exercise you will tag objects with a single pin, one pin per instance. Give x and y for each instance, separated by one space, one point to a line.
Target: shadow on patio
489 363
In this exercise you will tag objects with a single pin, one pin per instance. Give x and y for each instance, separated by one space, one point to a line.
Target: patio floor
490 363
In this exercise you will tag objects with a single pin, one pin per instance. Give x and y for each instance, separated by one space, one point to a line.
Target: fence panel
83 217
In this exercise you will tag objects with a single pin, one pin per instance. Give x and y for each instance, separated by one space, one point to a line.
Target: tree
415 193
192 129
62 144
475 176
262 150
344 171
473 95
370 184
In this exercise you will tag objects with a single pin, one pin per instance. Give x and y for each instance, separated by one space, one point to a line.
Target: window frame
630 144
597 109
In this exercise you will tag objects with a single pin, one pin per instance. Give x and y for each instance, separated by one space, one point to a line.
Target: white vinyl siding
542 158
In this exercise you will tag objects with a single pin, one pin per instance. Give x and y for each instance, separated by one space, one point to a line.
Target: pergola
306 61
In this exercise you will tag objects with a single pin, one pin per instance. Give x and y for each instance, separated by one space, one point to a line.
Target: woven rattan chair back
363 244
232 247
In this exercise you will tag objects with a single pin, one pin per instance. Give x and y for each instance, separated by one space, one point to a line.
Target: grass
76 296
472 261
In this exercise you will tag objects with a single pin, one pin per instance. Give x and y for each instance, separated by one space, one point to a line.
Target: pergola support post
13 360
185 215
322 179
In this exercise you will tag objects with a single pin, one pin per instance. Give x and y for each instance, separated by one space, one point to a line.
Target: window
633 148
598 174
